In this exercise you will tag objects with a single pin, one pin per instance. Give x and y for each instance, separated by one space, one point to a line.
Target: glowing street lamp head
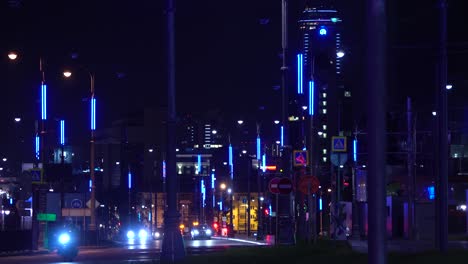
449 86
17 119
323 31
276 122
67 74
12 55
340 54
240 122
223 186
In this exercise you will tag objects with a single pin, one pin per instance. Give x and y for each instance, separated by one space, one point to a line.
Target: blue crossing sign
36 176
338 144
301 158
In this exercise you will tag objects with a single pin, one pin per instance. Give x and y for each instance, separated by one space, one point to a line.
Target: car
158 233
201 232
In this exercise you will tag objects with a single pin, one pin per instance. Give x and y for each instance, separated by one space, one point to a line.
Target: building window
324 127
324 111
324 103
324 95
324 151
324 159
347 94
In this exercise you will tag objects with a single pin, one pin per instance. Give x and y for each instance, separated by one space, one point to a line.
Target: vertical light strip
213 187
258 148
264 163
231 166
300 65
221 205
37 147
129 179
44 102
203 191
311 97
90 185
164 169
355 150
93 113
62 132
198 164
320 204
282 136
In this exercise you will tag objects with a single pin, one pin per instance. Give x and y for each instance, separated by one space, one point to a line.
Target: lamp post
92 224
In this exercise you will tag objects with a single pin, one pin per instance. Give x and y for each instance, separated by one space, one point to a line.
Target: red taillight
215 225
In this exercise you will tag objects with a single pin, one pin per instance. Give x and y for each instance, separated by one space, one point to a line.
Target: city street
127 251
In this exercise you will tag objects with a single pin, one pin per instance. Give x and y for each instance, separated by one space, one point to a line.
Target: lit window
324 135
324 127
324 111
324 103
324 95
324 151
347 94
324 159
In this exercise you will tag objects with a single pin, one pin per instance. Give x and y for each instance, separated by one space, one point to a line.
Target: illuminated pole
172 248
92 224
231 175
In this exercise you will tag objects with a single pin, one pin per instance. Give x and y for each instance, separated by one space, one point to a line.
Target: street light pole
172 248
92 224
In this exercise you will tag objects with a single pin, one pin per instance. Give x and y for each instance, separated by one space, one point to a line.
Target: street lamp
340 54
17 119
12 55
92 224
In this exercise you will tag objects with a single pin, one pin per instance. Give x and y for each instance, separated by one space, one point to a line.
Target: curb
24 253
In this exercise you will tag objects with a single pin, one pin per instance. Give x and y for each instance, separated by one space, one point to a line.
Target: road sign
338 159
309 183
273 185
36 176
76 212
76 203
46 217
338 144
96 204
301 158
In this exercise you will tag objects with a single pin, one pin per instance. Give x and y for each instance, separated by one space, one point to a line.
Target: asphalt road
125 252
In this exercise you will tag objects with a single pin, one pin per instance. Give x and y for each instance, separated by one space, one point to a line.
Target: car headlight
142 234
157 234
196 232
130 234
64 238
208 231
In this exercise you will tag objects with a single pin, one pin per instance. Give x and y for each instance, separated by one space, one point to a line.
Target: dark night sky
226 59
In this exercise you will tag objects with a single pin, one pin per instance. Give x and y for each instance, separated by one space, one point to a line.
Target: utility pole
376 79
172 248
442 177
284 210
410 168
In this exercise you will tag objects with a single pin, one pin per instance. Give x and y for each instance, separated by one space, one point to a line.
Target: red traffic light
266 212
215 225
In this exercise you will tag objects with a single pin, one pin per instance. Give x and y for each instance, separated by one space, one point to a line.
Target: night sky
227 55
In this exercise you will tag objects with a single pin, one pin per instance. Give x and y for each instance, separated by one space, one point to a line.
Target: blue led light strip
355 150
44 102
129 180
93 113
231 166
258 148
263 162
37 147
311 97
300 65
198 163
164 169
62 132
282 136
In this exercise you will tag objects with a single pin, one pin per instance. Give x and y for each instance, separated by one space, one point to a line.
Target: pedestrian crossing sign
301 158
338 144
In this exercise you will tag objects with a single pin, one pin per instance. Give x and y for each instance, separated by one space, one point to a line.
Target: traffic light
266 212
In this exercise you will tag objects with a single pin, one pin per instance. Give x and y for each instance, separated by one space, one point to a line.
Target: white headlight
64 238
130 234
208 231
195 232
157 234
142 234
